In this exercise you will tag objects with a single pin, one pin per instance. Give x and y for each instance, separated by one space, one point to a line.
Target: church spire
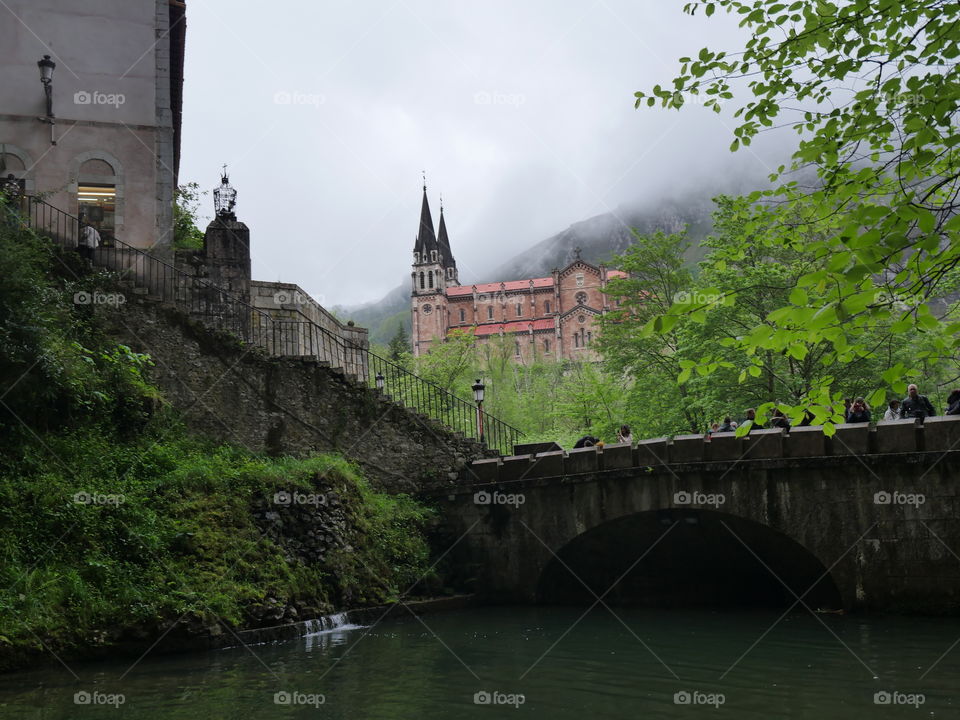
443 242
426 240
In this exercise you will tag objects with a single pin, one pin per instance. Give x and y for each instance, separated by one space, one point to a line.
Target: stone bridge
866 519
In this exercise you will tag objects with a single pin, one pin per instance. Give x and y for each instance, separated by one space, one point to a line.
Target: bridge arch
675 558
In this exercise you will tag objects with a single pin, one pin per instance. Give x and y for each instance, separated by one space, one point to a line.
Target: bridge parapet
896 437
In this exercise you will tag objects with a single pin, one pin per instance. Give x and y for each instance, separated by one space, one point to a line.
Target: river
546 662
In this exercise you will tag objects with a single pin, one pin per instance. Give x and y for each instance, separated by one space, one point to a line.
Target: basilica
542 318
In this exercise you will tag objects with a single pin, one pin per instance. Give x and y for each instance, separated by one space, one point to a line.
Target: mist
522 117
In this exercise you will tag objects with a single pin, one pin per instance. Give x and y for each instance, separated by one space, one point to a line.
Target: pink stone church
545 318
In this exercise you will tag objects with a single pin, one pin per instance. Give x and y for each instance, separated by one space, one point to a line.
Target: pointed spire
443 242
426 240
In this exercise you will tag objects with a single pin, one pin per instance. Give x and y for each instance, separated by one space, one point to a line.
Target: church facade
543 318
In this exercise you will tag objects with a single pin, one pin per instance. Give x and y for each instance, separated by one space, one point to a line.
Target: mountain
599 239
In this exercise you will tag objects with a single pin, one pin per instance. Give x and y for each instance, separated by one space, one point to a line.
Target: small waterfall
327 630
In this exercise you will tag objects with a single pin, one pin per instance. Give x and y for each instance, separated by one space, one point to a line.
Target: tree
448 360
872 88
398 350
186 234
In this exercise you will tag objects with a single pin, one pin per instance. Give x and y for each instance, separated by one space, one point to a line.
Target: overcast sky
521 113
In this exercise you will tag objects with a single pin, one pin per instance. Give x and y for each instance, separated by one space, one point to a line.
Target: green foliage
398 351
171 534
872 91
186 214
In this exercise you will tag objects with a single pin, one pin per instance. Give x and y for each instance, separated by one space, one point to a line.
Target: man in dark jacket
915 405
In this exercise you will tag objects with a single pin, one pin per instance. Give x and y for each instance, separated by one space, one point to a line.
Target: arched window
97 195
433 255
546 307
430 274
546 346
576 339
416 258
519 309
517 348
490 312
423 282
463 315
589 337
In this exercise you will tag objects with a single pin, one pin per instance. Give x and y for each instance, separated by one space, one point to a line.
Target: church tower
434 269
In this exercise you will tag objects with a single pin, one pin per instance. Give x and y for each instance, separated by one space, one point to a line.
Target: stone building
102 135
545 318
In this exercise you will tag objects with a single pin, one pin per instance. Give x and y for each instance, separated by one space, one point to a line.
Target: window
546 307
422 282
589 337
427 309
580 280
519 309
490 312
433 255
581 298
97 195
576 340
546 346
416 258
430 274
463 315
517 348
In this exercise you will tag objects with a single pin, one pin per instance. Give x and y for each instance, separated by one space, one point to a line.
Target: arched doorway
686 558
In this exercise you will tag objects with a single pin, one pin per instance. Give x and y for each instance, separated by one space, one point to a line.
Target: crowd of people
856 410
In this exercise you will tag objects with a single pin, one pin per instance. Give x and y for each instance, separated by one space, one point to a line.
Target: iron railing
221 310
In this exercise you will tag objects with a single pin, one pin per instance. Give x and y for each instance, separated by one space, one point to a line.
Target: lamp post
47 66
379 381
478 388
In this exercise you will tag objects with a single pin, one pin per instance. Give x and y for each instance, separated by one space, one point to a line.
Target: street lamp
478 388
379 380
46 66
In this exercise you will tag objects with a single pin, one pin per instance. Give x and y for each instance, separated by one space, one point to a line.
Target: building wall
118 48
574 303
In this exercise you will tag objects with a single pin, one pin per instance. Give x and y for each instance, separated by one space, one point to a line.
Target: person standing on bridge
915 405
893 410
623 434
752 418
859 411
728 425
953 403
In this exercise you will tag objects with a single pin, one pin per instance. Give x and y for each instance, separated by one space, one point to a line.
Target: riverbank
125 530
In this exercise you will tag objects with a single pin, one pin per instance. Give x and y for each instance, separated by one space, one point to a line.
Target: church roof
426 240
444 242
494 287
518 326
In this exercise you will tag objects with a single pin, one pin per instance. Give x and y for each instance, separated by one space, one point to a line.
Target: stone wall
873 512
237 394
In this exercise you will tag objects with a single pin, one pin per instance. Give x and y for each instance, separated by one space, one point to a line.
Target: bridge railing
935 435
221 310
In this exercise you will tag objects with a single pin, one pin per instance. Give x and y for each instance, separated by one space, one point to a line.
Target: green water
600 665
